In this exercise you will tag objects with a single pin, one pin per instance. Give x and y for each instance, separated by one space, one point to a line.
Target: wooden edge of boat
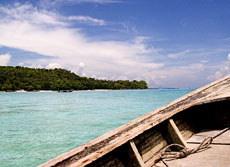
95 149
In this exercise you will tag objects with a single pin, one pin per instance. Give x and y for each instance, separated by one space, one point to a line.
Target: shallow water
37 126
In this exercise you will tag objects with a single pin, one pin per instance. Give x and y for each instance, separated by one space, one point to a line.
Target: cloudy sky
168 43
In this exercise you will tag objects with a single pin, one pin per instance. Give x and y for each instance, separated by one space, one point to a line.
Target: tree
16 78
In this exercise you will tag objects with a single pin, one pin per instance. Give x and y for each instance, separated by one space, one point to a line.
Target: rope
185 151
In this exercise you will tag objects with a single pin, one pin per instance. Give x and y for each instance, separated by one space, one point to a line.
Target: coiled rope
184 152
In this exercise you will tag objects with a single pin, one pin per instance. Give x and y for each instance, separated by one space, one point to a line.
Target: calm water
37 126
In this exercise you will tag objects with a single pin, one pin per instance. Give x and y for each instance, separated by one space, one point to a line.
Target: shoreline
96 90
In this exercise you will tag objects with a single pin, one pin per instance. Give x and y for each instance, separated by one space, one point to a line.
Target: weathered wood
137 157
107 162
186 122
175 134
149 143
99 147
117 157
223 139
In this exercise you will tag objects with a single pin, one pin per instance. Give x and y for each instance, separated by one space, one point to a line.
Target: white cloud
4 59
218 75
103 78
87 19
69 47
222 70
53 66
35 65
91 1
32 15
28 13
81 64
80 69
204 61
229 57
177 76
47 4
176 55
122 78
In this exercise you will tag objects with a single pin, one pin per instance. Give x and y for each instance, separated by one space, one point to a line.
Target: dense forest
31 79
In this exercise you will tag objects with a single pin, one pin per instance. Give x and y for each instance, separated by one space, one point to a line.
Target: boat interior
187 128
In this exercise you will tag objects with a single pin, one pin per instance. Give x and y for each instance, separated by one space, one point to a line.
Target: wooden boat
185 121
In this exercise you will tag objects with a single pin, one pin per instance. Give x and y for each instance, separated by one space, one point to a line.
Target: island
35 79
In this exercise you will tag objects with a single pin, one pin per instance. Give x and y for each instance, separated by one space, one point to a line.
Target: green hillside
17 78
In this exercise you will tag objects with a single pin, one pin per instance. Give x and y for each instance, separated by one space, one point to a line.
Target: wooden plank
107 161
185 130
222 139
151 155
185 122
116 158
136 154
149 143
175 134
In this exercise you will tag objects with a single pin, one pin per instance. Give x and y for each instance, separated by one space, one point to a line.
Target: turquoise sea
38 126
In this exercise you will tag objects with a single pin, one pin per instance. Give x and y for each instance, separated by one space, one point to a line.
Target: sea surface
38 126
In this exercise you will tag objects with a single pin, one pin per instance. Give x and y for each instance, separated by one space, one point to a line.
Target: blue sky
168 43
